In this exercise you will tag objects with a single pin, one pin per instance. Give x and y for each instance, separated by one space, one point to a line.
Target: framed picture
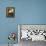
33 32
10 11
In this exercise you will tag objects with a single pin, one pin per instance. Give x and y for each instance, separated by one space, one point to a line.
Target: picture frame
10 11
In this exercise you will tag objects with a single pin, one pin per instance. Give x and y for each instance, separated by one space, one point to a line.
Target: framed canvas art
10 11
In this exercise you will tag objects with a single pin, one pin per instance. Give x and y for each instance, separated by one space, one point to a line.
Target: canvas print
10 11
33 32
28 34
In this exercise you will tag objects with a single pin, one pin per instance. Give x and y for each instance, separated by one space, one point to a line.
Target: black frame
10 14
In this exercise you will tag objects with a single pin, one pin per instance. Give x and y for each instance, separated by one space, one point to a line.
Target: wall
27 12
